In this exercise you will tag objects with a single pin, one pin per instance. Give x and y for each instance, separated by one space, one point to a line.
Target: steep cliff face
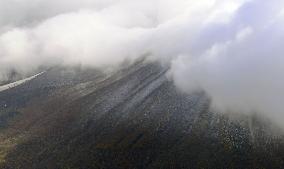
133 118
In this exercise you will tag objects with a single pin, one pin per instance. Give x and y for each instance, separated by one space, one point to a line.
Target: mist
231 50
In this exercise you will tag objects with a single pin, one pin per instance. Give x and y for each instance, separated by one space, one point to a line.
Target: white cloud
233 50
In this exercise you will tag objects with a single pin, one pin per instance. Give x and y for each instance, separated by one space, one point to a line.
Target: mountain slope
134 118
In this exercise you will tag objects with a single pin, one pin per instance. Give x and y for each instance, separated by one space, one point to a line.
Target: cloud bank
232 50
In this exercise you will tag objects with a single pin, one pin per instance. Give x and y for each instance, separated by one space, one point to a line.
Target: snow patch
17 83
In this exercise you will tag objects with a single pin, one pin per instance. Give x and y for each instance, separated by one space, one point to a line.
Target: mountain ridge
132 118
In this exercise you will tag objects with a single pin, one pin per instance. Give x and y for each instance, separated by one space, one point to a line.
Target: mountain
135 118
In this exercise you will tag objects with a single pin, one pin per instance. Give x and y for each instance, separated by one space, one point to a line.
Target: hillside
72 118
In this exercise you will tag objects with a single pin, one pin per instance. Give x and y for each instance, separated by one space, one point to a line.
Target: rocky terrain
72 118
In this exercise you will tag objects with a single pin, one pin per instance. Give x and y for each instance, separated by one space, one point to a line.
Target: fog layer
232 50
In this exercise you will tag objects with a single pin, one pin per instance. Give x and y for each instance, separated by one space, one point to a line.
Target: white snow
17 83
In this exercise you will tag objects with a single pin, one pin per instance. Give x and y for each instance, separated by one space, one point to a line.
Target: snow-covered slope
17 83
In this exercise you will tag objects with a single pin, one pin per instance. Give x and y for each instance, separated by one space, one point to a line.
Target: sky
230 49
